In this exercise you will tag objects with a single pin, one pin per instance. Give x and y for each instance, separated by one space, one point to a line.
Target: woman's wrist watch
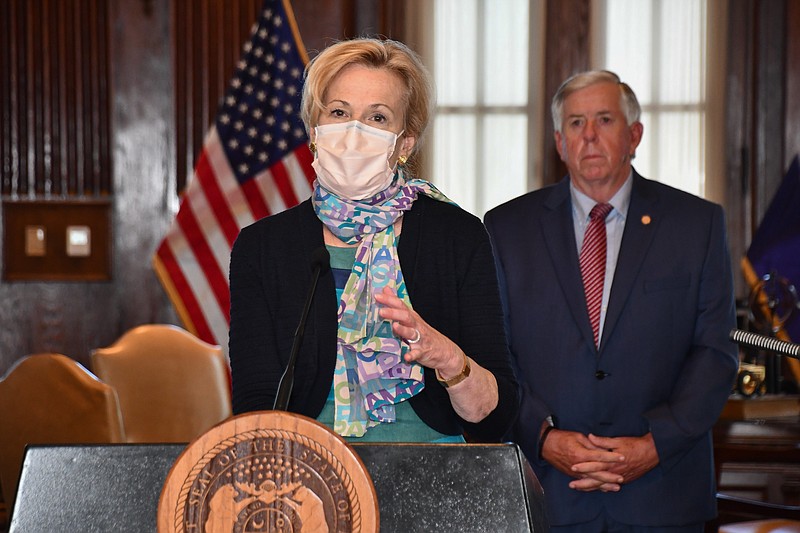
458 378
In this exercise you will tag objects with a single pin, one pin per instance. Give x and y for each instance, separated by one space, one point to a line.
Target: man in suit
623 355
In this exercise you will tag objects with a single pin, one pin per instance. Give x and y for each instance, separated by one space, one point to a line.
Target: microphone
320 262
762 342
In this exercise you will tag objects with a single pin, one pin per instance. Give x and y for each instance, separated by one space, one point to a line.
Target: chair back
172 386
52 399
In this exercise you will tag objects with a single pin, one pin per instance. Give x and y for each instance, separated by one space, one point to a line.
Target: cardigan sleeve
484 339
254 375
450 273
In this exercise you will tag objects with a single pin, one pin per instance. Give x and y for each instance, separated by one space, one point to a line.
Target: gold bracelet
455 380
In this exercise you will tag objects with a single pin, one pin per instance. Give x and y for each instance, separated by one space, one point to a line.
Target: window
481 140
668 74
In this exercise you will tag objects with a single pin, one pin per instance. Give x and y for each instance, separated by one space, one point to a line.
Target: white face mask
352 159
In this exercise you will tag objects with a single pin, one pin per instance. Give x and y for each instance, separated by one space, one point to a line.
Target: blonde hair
627 98
391 55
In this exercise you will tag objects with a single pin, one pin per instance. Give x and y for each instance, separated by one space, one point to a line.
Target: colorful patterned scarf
371 375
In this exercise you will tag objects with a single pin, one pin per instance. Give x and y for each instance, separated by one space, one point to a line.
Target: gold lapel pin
646 219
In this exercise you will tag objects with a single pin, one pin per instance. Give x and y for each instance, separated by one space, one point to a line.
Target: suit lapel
644 216
559 235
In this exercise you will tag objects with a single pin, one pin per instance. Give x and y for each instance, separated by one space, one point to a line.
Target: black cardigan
449 272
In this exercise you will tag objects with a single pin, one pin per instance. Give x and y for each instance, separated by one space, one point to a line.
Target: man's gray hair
627 98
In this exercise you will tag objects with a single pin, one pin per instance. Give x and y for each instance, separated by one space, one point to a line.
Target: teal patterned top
408 427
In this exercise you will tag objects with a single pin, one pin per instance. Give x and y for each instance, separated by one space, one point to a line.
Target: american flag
255 162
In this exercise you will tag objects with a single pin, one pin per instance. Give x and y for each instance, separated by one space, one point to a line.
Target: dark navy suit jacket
665 364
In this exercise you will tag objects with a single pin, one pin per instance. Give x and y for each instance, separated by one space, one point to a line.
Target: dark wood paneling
792 69
322 22
739 116
770 103
6 105
55 95
208 36
567 45
55 263
762 112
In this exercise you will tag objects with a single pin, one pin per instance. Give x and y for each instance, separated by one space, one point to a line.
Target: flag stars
270 59
270 120
298 133
267 138
248 89
253 71
278 84
261 96
248 150
243 168
282 144
292 90
285 126
287 108
274 102
259 52
281 65
262 33
277 22
257 114
252 132
233 144
230 100
263 157
285 47
236 83
225 119
295 72
243 107
238 125
265 77
273 40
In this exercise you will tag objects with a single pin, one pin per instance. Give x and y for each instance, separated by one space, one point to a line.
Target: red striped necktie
593 264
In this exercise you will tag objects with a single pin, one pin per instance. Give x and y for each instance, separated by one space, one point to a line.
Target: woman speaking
404 340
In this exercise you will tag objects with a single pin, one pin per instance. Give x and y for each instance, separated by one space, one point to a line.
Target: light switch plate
79 241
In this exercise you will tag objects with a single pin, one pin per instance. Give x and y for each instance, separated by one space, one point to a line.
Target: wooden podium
419 487
268 471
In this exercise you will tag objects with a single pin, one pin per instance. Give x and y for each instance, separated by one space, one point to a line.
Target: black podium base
420 487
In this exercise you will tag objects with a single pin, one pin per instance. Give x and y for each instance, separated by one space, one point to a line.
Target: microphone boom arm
320 262
762 342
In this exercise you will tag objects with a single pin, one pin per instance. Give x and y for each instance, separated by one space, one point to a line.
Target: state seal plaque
268 471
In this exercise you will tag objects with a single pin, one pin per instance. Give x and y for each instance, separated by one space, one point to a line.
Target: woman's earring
402 160
313 147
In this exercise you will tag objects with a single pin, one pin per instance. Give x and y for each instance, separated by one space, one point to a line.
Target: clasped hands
600 463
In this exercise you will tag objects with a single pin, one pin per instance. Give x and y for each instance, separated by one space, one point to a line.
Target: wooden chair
52 399
172 386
